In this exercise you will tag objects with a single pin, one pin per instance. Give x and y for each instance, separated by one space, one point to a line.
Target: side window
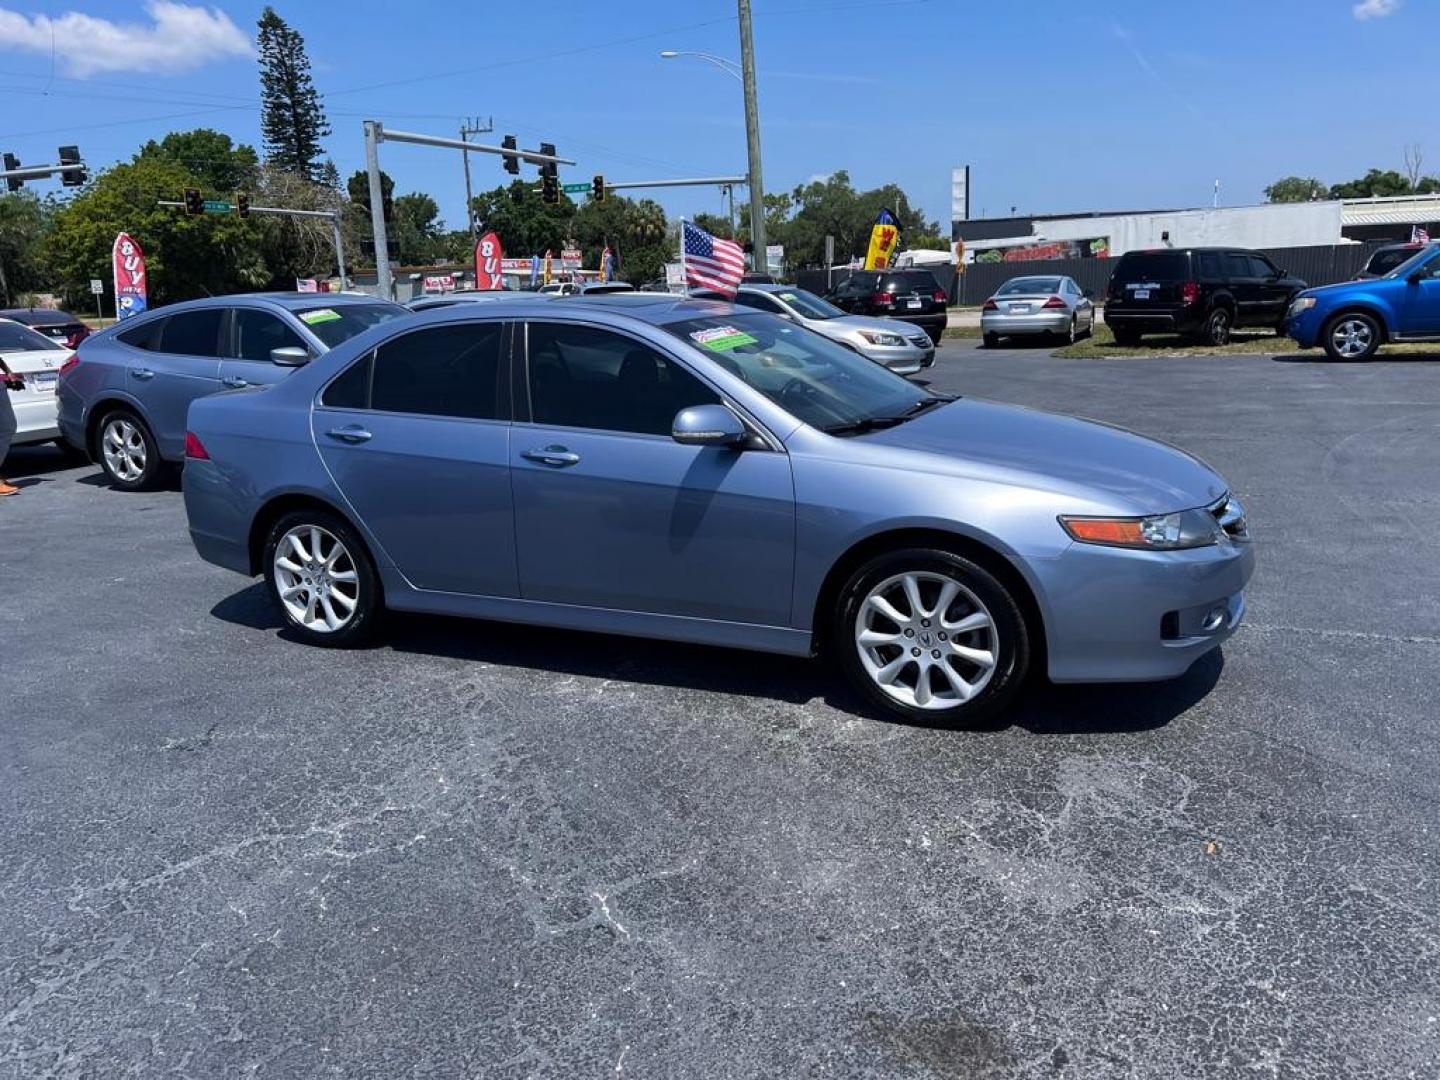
144 336
585 377
449 370
1260 267
1430 270
758 301
351 388
1237 265
257 332
192 333
1211 266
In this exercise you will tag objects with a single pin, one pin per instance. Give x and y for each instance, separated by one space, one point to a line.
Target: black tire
1006 639
992 341
153 468
1073 334
369 598
1128 338
1363 323
1218 325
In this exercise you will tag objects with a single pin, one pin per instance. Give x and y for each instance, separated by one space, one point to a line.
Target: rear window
1158 266
857 283
40 317
332 325
17 338
912 281
1385 260
1029 286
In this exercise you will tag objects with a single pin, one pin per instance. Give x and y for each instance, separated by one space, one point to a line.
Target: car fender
92 411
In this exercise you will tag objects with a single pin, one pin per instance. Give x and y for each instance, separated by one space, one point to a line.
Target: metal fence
1322 265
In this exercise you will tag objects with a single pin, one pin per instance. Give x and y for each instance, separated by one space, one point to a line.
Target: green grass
961 332
1241 342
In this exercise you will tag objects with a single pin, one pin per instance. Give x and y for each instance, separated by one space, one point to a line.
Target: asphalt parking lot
479 850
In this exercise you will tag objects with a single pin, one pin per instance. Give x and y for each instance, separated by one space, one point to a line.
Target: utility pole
468 128
752 138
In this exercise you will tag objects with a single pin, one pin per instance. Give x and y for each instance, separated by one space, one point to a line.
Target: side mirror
290 356
707 425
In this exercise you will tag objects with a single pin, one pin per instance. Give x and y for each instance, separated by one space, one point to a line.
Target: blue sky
1077 105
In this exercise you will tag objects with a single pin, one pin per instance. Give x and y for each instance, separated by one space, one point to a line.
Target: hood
1341 286
845 324
1059 453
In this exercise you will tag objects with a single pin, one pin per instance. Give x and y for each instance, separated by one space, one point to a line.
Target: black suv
913 296
1204 292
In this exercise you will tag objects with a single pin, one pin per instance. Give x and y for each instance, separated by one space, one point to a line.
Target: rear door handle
352 433
234 381
558 456
142 373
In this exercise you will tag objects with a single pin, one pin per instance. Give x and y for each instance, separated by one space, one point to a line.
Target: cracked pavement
489 851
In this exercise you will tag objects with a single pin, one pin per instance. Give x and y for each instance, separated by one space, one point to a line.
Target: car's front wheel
322 579
1352 336
930 636
128 455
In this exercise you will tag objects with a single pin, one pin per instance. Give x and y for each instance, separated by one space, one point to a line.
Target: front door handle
142 373
558 456
234 382
351 433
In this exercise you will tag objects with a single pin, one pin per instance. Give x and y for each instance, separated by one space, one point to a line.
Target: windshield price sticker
721 338
319 315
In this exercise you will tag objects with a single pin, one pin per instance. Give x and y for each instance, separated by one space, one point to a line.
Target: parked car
1353 319
1383 260
1045 305
758 278
603 288
911 295
662 467
559 288
888 342
1201 292
57 325
122 400
35 361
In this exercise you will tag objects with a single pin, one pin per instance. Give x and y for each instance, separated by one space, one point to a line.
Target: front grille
922 340
1230 516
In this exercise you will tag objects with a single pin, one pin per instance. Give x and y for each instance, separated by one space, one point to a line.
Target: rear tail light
1054 302
882 298
76 336
71 364
940 297
1189 292
990 305
194 448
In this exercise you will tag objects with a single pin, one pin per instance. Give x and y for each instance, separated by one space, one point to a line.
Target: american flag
711 263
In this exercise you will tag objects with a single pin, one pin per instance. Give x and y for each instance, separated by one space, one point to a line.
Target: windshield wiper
927 403
875 423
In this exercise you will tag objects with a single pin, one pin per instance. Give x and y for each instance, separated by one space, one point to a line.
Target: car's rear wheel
1126 337
1352 336
127 451
930 636
322 579
992 341
1218 326
1073 335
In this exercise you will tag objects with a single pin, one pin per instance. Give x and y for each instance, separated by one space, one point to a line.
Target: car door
1274 293
416 437
180 362
611 512
1243 286
252 335
1420 308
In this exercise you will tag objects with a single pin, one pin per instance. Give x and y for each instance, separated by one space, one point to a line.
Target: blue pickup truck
1353 319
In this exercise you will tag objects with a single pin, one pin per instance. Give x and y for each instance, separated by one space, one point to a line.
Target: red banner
488 257
132 285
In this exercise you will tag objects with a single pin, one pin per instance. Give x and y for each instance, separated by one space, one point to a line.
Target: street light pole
752 138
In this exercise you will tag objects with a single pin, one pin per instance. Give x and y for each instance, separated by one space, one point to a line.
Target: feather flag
884 237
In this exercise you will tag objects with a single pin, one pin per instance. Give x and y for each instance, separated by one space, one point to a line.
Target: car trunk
39 368
1149 280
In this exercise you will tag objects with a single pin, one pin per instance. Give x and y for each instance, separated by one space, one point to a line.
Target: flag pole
684 270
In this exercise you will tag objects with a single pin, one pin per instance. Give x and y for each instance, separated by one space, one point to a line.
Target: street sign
575 189
217 206
97 286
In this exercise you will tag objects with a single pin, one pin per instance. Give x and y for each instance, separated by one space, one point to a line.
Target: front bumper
1305 328
904 359
1006 325
1116 615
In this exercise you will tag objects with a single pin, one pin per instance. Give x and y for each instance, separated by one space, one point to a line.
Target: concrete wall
1279 225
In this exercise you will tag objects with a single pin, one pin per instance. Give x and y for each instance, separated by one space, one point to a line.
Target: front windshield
1029 286
332 325
1410 265
809 305
816 380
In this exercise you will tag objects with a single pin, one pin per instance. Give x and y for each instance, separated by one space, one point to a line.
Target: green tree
185 256
832 207
716 225
635 230
525 223
1293 189
212 157
1376 182
25 222
292 119
417 229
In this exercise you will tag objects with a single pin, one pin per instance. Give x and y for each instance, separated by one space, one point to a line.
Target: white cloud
180 37
1375 9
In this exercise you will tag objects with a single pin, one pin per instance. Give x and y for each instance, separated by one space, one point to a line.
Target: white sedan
36 360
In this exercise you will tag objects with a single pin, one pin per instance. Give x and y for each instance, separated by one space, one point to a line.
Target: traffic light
512 162
242 203
548 168
194 204
14 183
74 174
549 188
597 188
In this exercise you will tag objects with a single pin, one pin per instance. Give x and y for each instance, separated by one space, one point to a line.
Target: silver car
1047 304
899 346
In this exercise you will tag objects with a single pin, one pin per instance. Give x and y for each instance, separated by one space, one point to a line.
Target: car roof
46 316
287 300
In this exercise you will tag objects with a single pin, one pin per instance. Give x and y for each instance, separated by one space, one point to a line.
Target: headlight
1161 532
1301 303
882 339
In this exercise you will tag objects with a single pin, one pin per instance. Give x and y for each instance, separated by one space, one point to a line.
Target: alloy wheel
926 640
1352 337
1219 328
316 579
123 447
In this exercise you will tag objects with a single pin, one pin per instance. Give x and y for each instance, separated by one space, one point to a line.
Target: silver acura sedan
899 346
672 468
1047 305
